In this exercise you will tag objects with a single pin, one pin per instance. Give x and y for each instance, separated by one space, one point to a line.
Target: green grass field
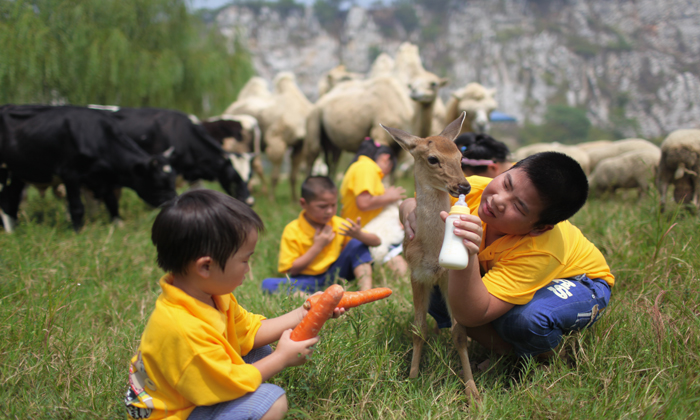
73 306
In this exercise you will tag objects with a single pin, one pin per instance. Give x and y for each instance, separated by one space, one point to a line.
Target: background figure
483 155
363 195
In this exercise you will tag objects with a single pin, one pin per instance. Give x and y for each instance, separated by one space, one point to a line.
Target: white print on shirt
561 288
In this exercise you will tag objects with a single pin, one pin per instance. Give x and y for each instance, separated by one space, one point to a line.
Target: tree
127 53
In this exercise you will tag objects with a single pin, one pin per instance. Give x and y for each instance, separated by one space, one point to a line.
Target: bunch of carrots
321 308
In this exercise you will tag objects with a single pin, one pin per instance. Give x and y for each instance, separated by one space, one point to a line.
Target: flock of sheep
400 92
633 163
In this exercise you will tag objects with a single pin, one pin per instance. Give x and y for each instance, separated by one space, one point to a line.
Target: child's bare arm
322 237
354 230
288 353
366 201
271 329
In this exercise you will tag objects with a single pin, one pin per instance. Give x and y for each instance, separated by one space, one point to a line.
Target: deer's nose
464 188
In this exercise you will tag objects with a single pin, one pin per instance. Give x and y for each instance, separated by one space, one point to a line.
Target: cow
239 135
195 154
80 147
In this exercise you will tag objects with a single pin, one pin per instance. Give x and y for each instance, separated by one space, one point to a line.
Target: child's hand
337 312
395 193
294 353
468 227
352 229
324 236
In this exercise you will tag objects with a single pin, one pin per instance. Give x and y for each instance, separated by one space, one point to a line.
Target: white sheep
388 227
573 152
616 148
680 166
633 169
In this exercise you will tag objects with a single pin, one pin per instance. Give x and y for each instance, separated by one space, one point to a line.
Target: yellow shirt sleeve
290 249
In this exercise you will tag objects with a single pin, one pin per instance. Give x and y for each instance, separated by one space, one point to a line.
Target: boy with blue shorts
319 245
532 276
201 355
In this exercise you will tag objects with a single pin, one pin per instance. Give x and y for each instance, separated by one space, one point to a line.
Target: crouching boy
202 356
532 276
319 245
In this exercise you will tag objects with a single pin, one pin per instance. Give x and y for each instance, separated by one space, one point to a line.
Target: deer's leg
459 337
421 294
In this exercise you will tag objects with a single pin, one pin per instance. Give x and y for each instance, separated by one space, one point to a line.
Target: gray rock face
633 64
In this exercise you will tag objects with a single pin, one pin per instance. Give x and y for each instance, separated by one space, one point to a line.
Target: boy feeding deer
531 276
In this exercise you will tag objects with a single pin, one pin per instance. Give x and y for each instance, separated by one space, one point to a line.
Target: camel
334 76
477 101
343 117
282 117
438 174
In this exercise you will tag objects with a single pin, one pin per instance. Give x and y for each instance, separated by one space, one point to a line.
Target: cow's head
234 182
154 179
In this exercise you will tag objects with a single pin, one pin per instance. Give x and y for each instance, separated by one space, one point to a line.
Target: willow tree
119 52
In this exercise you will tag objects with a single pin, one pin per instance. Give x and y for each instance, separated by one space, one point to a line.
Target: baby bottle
453 254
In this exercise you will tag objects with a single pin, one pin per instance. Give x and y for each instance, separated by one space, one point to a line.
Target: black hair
480 146
313 186
201 223
373 150
561 183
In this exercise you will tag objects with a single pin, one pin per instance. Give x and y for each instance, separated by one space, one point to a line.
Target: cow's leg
75 204
111 200
10 198
297 158
258 169
421 294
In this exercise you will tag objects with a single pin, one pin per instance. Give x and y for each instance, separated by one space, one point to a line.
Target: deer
438 175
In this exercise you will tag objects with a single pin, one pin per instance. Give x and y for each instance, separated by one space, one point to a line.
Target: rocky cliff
633 64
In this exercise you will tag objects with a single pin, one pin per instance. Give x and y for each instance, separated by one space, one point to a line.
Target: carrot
353 299
319 314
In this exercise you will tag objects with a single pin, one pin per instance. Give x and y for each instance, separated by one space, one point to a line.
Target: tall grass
72 308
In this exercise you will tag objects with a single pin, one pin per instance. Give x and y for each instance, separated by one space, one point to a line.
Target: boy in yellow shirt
363 196
532 276
319 244
202 355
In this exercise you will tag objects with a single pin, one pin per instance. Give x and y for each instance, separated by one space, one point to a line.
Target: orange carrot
353 299
319 314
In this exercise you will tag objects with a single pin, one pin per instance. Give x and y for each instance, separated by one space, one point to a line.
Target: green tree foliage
563 124
118 52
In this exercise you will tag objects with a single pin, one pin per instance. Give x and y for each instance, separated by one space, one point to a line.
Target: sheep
680 166
388 227
574 152
616 148
633 169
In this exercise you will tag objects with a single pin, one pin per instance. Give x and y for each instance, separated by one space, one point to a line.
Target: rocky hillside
633 64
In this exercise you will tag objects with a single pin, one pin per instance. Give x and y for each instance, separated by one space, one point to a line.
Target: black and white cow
80 147
239 135
195 154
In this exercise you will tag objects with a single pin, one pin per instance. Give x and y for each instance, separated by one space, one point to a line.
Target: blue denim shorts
354 254
251 406
561 307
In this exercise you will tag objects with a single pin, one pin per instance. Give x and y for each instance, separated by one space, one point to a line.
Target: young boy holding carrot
319 244
532 276
201 355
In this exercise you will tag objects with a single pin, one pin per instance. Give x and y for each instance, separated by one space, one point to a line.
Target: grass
73 306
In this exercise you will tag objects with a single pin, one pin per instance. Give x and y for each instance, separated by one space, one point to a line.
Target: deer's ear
405 140
452 130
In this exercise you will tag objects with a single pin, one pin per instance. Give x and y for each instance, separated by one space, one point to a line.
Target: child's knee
277 410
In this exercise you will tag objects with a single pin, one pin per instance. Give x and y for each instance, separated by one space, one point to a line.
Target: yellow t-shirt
514 267
191 355
297 238
363 175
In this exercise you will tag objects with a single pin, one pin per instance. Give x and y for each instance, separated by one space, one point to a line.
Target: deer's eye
433 160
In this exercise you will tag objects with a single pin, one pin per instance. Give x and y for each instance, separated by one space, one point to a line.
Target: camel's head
424 89
478 102
437 159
